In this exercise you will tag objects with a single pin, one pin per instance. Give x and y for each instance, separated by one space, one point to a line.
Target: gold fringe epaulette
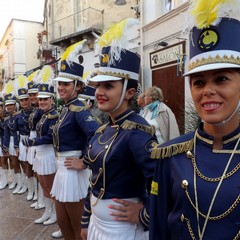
16 113
49 116
133 125
163 152
101 129
6 118
75 108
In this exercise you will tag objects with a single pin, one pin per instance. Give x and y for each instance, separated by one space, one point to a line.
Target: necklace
201 233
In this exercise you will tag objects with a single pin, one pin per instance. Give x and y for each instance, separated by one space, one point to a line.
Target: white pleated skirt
102 225
1 152
31 151
69 185
45 162
12 151
22 149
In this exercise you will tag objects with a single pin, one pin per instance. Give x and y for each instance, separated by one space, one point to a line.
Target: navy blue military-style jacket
21 124
188 174
74 127
119 157
34 118
8 131
1 131
44 129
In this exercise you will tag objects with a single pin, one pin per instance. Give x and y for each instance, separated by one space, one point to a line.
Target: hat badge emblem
105 58
63 67
208 39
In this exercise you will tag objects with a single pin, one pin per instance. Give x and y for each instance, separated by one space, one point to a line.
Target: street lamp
120 2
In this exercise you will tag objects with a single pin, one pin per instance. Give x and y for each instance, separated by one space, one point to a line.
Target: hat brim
33 91
63 79
23 96
44 96
9 102
209 67
104 78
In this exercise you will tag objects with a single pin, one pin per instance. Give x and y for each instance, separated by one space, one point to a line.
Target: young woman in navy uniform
3 159
35 191
71 134
195 192
119 152
8 142
45 162
21 125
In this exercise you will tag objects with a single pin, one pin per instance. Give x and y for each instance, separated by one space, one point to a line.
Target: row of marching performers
16 162
35 141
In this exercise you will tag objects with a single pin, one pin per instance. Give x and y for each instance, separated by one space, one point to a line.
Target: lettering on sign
168 55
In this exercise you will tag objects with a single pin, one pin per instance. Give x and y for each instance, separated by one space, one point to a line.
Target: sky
21 9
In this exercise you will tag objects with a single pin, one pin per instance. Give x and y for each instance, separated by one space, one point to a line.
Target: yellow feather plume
9 87
119 36
32 75
72 51
46 75
206 12
114 32
21 81
117 33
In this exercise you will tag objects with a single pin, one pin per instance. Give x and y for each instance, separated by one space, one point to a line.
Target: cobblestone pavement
17 219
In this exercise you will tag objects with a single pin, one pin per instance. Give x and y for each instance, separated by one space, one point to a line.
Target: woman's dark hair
82 85
132 84
133 101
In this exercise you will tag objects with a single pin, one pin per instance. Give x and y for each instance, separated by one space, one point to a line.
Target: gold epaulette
75 108
163 152
6 118
133 125
101 129
49 116
16 113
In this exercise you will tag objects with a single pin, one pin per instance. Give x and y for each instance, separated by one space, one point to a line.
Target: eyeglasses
43 99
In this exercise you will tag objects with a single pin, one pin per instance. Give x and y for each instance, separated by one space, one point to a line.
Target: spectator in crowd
159 115
141 102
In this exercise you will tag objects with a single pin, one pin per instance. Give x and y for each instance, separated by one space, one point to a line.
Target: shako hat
214 38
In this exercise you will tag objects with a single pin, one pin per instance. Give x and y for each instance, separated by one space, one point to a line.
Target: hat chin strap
229 118
75 85
122 96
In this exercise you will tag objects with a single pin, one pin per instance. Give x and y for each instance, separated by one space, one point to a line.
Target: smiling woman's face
216 94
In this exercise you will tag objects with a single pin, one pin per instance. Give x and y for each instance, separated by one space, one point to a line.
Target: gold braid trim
49 116
163 152
102 128
115 74
87 210
75 108
217 59
133 125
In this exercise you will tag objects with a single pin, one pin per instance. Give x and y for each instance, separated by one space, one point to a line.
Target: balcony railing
77 22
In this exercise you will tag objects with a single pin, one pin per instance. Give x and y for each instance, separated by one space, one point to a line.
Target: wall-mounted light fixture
120 2
163 44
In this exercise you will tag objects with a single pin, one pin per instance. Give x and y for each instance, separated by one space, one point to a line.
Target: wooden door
173 91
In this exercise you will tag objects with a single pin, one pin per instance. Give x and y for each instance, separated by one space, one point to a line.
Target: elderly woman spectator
160 115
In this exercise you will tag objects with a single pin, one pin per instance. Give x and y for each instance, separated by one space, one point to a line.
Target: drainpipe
141 43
